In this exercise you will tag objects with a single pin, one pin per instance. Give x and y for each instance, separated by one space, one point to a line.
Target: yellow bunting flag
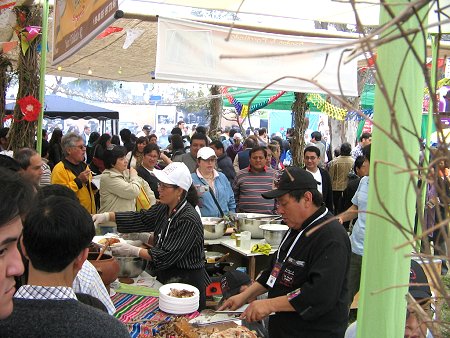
244 111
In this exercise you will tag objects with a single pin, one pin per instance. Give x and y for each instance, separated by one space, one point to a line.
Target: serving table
137 306
229 243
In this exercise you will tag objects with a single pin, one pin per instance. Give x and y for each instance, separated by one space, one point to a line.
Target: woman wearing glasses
216 198
120 186
178 251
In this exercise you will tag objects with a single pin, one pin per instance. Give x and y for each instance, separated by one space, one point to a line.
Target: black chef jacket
314 277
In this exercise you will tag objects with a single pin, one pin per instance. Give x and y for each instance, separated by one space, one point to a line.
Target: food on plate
108 241
235 332
181 293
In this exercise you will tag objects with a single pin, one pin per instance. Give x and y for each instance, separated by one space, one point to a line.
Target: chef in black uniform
307 277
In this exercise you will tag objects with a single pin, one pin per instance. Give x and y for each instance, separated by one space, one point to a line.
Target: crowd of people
311 280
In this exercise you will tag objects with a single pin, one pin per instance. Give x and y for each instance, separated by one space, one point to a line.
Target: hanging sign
196 52
78 22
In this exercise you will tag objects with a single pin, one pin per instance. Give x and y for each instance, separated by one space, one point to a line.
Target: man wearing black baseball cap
307 277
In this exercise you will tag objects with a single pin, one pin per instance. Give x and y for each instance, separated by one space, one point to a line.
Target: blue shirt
222 190
359 230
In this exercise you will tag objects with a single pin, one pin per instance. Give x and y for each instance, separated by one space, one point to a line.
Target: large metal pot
131 266
252 221
274 233
213 227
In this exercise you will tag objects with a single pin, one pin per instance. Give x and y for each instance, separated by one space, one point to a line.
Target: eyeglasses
209 160
80 147
312 158
163 186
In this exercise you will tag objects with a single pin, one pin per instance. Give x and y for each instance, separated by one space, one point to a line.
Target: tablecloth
141 314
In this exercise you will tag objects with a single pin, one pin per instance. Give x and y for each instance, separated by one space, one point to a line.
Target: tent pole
385 269
43 68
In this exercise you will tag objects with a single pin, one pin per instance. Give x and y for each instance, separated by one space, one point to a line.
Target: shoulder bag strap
215 201
211 191
129 161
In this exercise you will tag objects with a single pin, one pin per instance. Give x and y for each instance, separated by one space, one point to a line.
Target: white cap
206 152
237 136
176 173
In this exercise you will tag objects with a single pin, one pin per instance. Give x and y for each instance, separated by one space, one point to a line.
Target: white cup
246 236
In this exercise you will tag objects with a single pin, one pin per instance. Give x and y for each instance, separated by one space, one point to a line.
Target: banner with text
78 22
193 52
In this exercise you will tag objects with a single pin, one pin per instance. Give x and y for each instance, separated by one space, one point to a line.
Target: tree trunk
5 78
299 108
215 112
22 133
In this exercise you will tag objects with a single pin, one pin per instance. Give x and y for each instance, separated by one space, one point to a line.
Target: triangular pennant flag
24 44
33 31
109 30
132 34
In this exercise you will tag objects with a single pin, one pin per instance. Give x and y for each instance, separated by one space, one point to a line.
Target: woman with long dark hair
93 137
100 146
55 153
135 156
177 146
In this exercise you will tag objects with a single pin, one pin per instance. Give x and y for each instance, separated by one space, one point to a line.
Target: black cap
147 127
296 179
232 281
418 276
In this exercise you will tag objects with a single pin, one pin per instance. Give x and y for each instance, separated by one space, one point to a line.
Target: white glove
100 218
125 250
137 236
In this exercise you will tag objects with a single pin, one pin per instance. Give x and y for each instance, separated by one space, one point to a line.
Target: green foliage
194 101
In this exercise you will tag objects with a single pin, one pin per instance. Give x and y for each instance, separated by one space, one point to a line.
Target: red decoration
108 31
371 61
440 63
30 108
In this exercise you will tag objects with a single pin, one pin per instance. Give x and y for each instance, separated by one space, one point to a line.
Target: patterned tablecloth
141 314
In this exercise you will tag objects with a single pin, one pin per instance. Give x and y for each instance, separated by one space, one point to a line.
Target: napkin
261 248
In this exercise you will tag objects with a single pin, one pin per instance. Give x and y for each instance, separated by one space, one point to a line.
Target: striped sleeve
143 221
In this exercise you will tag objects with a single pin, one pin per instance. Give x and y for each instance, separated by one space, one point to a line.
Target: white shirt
88 281
318 178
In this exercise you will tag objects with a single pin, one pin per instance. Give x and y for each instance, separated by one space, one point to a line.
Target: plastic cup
246 237
238 240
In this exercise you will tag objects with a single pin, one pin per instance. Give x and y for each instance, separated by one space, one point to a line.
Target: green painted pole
430 120
382 303
43 68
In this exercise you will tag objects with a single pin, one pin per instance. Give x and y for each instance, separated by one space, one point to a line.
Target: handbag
142 200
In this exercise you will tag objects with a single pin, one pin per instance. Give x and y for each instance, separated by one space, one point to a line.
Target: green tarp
285 102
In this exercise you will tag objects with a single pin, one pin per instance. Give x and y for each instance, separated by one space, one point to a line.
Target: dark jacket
327 189
314 277
151 180
225 164
244 159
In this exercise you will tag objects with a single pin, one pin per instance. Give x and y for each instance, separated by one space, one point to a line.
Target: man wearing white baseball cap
178 252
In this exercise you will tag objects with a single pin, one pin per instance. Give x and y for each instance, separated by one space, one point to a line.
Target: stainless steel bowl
274 233
252 221
213 228
131 266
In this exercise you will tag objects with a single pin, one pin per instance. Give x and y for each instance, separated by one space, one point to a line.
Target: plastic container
246 237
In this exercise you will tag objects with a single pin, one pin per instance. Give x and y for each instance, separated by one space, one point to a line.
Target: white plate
97 239
165 289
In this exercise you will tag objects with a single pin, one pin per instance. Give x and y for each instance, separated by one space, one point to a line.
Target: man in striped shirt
251 182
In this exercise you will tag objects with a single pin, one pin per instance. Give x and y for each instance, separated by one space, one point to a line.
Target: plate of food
107 240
